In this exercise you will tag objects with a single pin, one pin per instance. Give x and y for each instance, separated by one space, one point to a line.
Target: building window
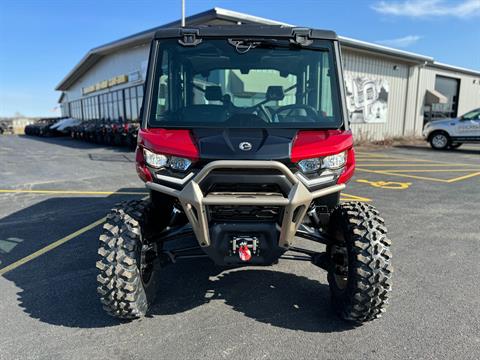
115 105
86 108
110 105
139 98
76 109
103 106
90 108
121 114
133 102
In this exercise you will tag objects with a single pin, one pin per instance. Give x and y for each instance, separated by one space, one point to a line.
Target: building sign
134 76
367 99
117 80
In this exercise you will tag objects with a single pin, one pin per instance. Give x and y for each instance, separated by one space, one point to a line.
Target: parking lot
54 194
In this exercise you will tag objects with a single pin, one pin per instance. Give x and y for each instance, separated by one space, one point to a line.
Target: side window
162 104
326 104
472 115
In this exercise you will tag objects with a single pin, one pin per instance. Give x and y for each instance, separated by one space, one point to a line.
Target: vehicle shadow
269 296
460 150
59 287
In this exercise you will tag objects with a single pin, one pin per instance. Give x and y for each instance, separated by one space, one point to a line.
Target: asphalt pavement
54 194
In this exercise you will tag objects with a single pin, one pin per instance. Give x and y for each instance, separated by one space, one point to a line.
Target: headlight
310 165
178 163
155 160
335 161
158 161
332 162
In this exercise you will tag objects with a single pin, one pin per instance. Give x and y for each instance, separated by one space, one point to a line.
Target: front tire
360 262
128 263
440 140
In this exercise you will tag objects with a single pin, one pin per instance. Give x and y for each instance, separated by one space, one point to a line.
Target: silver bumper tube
295 204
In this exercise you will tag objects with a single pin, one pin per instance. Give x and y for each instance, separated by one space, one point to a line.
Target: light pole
183 13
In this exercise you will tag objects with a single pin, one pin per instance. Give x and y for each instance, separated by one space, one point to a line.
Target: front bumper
425 133
295 204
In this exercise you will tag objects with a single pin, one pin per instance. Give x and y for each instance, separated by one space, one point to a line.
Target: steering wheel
264 112
311 113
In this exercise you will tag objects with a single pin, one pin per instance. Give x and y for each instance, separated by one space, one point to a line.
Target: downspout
406 100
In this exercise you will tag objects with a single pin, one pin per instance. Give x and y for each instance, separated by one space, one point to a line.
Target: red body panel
349 168
320 143
307 144
142 170
163 141
169 142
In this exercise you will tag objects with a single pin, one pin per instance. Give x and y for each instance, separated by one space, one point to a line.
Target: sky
42 40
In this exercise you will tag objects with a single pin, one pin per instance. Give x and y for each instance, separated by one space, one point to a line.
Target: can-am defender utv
245 146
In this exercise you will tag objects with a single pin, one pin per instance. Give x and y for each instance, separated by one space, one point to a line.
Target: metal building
390 92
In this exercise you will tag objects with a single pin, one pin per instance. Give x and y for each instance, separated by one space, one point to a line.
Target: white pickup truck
451 133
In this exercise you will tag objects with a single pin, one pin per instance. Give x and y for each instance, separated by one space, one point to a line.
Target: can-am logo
245 146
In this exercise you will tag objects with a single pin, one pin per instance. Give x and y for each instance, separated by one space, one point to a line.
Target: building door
449 87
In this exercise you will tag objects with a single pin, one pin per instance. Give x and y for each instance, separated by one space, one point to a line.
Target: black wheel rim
147 257
339 260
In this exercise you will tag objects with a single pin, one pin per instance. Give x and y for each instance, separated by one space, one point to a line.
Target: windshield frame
330 46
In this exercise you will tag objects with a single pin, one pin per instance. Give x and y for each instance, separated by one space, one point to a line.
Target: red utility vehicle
245 147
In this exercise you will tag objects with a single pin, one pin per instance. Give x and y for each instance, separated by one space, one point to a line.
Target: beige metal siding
363 65
120 63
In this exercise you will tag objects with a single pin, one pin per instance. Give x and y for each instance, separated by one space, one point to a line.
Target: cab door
468 125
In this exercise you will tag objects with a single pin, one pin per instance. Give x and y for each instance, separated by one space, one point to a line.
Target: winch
245 247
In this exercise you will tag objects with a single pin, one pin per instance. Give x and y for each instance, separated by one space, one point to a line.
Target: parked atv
90 130
116 132
76 130
130 133
41 127
245 146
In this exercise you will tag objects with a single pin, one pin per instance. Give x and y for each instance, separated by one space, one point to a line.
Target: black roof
246 30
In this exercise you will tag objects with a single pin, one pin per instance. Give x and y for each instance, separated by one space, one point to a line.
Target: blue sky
40 41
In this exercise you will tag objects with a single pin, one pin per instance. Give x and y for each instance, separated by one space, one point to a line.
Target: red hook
244 253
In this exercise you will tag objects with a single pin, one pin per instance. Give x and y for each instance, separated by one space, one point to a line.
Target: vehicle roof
246 30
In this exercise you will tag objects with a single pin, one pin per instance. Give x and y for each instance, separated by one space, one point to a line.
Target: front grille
225 213
245 187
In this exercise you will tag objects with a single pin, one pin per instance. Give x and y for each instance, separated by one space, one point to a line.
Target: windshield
257 83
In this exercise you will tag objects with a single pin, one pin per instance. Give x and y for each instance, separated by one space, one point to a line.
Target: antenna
183 13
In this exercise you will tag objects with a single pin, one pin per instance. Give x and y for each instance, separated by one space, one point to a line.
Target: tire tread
370 269
119 281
